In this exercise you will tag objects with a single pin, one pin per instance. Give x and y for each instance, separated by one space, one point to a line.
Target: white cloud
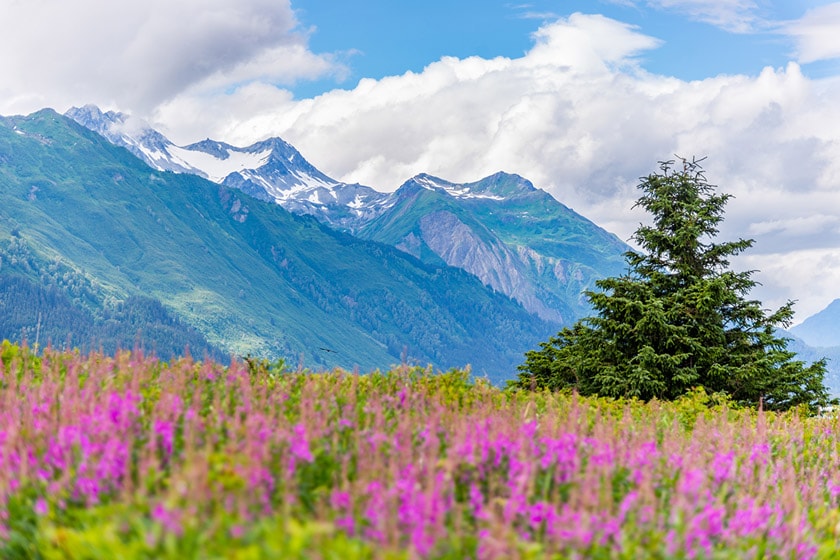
808 276
799 226
816 34
138 54
737 16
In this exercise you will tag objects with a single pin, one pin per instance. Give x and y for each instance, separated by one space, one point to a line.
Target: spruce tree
679 318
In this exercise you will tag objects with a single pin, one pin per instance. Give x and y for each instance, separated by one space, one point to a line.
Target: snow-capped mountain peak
499 186
270 170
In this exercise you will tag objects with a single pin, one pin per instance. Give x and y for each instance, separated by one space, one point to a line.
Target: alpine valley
111 235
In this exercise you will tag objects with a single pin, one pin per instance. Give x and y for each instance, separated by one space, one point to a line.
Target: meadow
127 456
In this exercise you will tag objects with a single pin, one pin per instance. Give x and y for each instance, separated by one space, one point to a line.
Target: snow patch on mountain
215 168
452 189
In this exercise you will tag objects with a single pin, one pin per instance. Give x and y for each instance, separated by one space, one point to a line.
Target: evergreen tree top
686 212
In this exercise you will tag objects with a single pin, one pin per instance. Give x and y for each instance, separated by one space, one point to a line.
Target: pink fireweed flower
237 531
170 519
41 507
122 408
723 466
299 444
750 520
691 482
166 435
375 439
516 506
375 512
760 453
55 455
704 529
114 460
644 454
675 461
88 488
563 454
571 528
542 513
340 501
477 503
602 454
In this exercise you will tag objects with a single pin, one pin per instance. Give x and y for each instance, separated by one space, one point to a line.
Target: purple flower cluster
407 461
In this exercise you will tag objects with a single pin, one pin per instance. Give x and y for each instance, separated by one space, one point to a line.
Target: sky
580 97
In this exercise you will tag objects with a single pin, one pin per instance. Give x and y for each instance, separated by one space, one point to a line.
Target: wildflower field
129 457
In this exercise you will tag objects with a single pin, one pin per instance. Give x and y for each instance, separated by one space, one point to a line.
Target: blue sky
580 97
378 38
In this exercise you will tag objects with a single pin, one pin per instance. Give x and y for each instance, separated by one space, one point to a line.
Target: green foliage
679 318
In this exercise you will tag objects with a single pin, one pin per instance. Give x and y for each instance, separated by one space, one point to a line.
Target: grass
126 456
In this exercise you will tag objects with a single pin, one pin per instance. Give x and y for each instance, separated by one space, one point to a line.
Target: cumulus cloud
808 276
138 54
816 34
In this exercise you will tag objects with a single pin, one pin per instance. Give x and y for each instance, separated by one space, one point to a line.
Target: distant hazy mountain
247 275
810 354
821 329
516 238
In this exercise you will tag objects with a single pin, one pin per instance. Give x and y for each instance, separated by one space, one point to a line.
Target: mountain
516 238
271 170
809 354
247 275
817 337
821 329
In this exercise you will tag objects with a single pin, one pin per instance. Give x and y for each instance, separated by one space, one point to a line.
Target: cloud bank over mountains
577 114
140 54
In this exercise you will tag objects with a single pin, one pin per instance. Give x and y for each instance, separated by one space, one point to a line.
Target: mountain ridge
270 170
547 277
516 238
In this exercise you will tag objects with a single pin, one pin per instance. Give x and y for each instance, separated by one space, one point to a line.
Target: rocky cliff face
495 264
515 238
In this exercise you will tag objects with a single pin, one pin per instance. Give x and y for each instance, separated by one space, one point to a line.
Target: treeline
48 302
46 315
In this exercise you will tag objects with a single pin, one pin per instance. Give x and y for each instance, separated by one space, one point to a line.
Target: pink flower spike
300 444
41 507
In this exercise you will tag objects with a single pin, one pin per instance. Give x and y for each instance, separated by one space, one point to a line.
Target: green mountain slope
517 239
248 275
